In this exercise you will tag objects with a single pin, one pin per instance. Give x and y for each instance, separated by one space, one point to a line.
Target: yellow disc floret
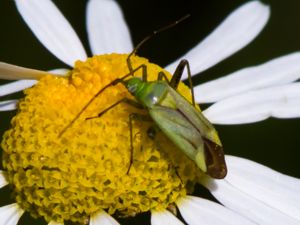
84 170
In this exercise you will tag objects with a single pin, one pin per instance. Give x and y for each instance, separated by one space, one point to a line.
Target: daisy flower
81 175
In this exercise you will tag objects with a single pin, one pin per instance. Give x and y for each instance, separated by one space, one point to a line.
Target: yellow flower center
72 176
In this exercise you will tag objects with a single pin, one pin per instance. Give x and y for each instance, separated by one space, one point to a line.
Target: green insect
172 114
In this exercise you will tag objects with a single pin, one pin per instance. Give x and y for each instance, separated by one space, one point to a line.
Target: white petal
164 218
281 70
258 193
59 72
235 32
107 29
102 218
279 101
55 223
8 105
197 211
16 86
10 214
3 180
20 85
52 29
13 72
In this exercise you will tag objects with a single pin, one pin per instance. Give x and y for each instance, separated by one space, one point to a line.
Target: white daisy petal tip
278 71
258 192
164 217
107 29
257 105
102 218
3 181
16 86
196 211
52 29
234 33
8 105
59 72
13 72
10 214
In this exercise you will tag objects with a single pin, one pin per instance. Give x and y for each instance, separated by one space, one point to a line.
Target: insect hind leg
178 74
152 132
134 116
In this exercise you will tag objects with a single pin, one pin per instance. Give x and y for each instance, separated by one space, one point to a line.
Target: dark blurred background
273 142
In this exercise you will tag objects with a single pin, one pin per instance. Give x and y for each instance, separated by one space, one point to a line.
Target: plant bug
171 113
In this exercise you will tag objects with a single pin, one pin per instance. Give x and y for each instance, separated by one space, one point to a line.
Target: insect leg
162 75
144 73
177 174
123 100
134 116
151 132
112 83
178 74
132 71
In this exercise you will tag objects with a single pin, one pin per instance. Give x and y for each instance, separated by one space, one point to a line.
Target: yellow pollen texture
83 171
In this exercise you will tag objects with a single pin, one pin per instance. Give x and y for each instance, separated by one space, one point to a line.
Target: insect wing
213 150
182 133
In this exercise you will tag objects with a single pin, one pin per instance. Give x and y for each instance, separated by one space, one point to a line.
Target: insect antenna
167 27
131 70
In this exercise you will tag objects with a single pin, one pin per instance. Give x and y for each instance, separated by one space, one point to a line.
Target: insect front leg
132 71
178 74
123 100
112 83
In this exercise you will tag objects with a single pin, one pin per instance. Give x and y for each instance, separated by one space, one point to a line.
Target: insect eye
132 88
133 84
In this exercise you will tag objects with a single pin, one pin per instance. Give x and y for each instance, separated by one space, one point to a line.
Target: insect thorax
152 93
